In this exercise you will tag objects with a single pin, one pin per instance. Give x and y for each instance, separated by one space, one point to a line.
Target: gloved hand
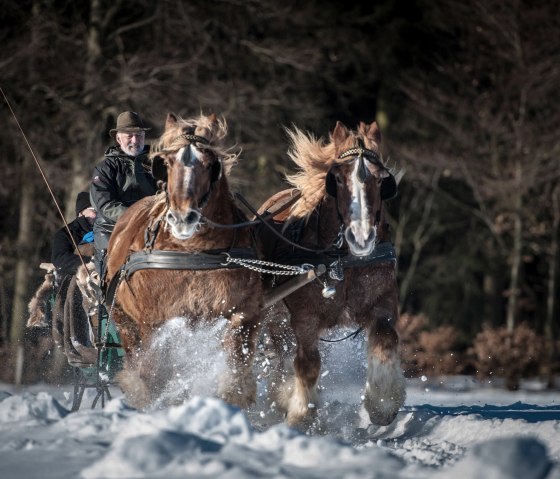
88 237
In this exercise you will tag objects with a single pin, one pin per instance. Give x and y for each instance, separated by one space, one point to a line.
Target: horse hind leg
385 384
238 385
279 348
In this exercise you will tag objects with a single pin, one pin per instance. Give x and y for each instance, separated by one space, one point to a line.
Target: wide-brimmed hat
128 121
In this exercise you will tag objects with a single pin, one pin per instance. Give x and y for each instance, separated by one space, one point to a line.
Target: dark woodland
466 95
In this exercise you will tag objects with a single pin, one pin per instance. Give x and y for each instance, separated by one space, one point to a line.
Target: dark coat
118 182
63 256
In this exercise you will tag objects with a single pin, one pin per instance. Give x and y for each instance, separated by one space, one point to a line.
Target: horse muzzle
183 225
361 241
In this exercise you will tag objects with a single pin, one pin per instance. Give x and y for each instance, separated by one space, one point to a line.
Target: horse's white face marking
361 233
188 175
185 225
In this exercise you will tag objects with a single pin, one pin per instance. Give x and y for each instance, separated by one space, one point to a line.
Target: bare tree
487 101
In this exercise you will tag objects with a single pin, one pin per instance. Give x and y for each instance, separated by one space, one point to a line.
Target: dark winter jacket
118 182
63 256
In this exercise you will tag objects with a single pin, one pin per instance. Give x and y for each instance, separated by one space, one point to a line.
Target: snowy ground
454 427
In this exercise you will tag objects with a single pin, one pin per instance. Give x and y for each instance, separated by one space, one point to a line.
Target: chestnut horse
172 255
339 221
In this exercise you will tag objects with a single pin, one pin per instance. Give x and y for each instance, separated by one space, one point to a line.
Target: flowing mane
214 131
314 157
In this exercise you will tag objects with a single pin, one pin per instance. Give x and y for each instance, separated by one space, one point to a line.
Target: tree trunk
516 255
83 159
551 300
23 266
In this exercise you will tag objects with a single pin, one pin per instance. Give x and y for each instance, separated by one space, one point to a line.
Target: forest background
466 94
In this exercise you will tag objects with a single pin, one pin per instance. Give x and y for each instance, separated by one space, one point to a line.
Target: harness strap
383 252
175 260
179 260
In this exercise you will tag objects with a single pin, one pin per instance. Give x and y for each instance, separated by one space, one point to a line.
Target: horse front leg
132 378
385 389
238 386
298 396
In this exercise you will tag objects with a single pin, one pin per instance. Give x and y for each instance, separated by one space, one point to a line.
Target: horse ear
340 133
388 187
330 184
374 132
171 120
213 118
159 168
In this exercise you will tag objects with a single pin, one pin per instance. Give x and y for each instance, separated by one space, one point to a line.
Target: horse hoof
240 393
383 409
380 417
302 423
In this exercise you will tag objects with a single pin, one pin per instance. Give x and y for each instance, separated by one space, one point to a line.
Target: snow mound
39 408
504 458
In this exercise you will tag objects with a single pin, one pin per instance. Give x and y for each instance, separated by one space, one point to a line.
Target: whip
45 179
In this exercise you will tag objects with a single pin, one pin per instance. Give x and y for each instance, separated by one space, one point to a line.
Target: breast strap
175 260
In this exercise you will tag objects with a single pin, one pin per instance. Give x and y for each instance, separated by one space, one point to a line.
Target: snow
451 427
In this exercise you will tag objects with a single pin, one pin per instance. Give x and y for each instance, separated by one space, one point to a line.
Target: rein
280 235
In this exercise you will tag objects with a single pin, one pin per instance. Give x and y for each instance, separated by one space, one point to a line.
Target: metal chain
282 269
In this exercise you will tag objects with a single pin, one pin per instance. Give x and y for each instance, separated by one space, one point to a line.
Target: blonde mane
212 128
159 206
313 157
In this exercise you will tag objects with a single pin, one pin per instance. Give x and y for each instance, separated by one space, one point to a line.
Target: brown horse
340 222
175 257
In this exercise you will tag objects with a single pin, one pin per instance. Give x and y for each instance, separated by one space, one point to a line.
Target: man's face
89 213
131 142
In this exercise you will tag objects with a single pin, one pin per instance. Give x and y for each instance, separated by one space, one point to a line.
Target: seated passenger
64 257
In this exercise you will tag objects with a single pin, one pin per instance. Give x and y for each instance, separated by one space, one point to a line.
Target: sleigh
80 328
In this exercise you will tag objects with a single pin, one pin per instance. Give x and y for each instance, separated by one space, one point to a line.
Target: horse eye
201 147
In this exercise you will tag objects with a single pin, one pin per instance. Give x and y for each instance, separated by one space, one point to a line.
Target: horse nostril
171 218
192 217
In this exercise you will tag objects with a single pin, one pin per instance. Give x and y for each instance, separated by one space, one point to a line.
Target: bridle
362 153
159 169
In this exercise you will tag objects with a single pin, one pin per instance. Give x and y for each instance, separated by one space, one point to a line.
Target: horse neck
221 209
324 223
221 206
383 229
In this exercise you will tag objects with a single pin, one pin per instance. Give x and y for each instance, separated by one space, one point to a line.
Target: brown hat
128 121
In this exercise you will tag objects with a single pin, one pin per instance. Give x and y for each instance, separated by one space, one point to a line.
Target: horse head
359 182
186 159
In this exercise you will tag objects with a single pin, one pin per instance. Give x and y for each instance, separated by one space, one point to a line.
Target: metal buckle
336 271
